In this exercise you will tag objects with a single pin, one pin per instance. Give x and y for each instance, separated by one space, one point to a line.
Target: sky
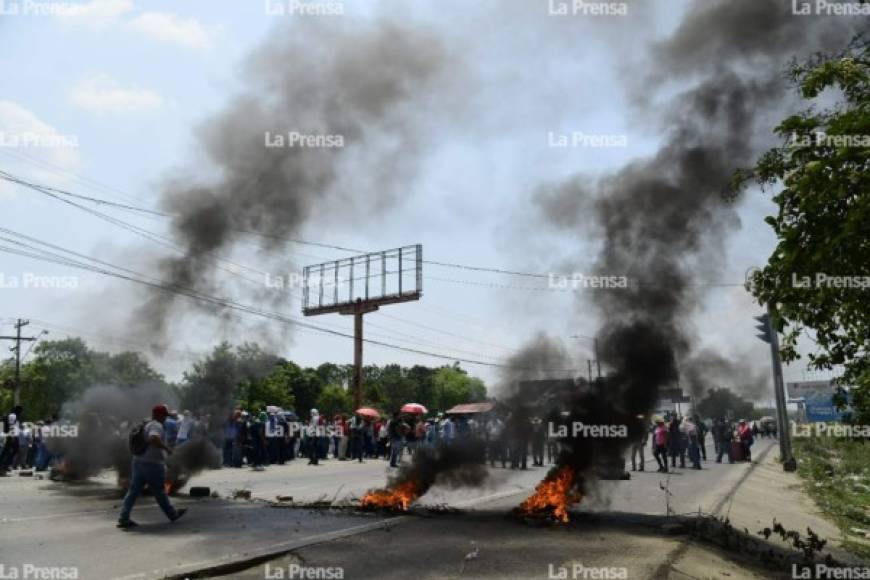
109 99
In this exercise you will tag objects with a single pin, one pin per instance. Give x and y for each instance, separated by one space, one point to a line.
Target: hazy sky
118 92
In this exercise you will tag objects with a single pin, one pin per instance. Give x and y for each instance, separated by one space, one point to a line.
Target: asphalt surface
45 523
617 532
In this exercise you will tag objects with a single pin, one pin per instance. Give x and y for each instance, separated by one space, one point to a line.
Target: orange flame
553 496
397 498
169 487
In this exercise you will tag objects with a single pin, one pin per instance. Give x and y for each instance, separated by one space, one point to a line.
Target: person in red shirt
744 433
660 444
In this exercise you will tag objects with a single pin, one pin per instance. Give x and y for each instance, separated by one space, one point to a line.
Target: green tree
422 377
452 386
331 373
307 390
334 399
212 382
397 387
253 366
822 220
60 370
277 388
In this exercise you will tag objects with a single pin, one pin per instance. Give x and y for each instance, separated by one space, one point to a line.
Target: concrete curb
235 562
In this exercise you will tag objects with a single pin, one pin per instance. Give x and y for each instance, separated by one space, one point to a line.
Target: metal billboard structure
359 285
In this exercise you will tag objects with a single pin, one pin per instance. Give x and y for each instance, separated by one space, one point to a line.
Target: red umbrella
368 412
414 409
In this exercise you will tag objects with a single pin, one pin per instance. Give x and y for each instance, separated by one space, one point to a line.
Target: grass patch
836 472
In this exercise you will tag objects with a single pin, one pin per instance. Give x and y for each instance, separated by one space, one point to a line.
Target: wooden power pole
19 324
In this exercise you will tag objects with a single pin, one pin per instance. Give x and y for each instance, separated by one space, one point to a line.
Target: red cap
160 410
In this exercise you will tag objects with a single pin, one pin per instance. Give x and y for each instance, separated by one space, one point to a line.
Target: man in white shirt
149 467
185 425
11 428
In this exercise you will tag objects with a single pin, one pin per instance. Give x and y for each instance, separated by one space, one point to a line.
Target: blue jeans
395 451
42 457
153 474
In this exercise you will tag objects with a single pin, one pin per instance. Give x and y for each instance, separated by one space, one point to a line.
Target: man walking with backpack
148 445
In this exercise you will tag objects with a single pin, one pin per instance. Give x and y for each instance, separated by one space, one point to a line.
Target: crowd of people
676 438
24 443
273 436
276 437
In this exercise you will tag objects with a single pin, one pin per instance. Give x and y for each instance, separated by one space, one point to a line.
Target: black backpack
137 440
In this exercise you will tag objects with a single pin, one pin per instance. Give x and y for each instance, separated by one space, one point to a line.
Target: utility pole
769 335
597 358
386 279
19 324
589 364
595 354
358 310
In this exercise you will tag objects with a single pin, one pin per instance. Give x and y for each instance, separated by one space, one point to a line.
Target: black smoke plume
372 88
706 369
664 219
459 463
104 416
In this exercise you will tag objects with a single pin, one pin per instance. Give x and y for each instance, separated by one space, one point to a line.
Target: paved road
46 523
619 532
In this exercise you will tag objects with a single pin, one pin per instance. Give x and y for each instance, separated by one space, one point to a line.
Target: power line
227 303
535 275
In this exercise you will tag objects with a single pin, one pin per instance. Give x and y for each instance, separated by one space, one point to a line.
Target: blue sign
822 409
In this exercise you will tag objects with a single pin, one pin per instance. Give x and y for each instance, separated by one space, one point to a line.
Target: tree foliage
823 219
251 377
59 370
334 399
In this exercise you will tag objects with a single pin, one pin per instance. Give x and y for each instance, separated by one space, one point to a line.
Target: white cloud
96 13
27 139
103 94
175 30
160 26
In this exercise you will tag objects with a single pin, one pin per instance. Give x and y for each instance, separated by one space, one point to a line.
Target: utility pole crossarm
19 324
